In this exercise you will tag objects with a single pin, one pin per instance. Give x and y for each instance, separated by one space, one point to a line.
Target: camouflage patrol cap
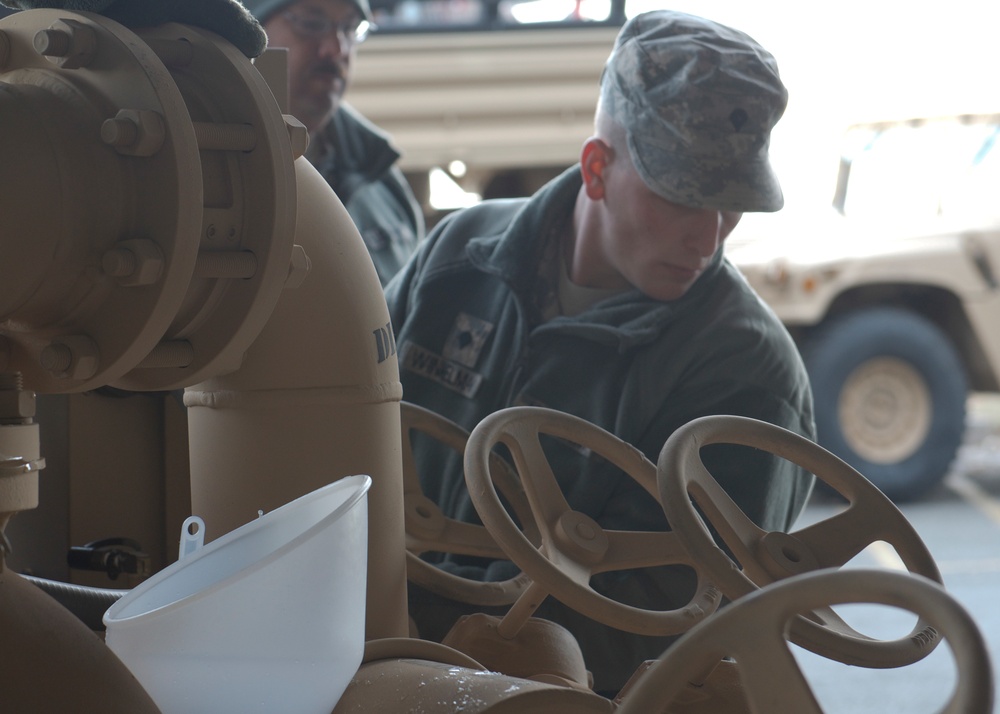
698 101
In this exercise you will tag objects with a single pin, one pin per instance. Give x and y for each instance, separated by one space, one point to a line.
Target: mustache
329 68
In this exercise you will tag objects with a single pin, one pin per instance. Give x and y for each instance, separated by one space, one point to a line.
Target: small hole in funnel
193 528
791 555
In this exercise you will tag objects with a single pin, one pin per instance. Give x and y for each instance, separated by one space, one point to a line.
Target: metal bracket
113 556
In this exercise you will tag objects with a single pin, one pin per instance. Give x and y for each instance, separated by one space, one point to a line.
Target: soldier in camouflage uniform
607 295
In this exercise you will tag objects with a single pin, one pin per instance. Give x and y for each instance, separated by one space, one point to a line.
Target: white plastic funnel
267 618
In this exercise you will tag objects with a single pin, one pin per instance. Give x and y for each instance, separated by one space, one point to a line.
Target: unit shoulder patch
466 340
445 372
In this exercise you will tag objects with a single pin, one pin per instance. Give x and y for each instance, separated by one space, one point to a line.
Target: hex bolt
11 380
119 132
71 357
134 262
67 43
17 405
119 263
56 358
52 43
134 132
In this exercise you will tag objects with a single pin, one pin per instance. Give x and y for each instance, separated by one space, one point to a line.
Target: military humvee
892 296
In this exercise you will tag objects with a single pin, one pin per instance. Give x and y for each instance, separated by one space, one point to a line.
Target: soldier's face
658 246
645 241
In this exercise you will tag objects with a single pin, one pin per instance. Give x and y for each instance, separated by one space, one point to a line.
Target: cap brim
747 185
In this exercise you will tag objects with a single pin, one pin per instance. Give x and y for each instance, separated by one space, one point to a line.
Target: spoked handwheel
754 631
429 530
573 546
764 557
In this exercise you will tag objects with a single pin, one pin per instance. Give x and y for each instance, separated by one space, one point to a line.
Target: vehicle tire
890 396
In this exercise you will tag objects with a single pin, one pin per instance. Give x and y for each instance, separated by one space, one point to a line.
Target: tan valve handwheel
573 546
429 530
763 557
753 632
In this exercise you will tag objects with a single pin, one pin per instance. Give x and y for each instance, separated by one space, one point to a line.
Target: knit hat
263 9
698 101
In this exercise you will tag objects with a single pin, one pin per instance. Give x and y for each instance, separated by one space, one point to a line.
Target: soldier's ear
594 158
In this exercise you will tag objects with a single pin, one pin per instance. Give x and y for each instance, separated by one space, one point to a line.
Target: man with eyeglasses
353 155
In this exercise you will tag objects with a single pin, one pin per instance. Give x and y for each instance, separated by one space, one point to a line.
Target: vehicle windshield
932 167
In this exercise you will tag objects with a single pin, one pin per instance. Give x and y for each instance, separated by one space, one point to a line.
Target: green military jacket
470 341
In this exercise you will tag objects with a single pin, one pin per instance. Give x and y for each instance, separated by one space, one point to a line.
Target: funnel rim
360 483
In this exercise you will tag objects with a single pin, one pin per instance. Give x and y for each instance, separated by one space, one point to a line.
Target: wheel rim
750 562
885 410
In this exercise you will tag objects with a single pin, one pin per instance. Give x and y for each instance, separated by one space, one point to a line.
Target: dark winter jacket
361 169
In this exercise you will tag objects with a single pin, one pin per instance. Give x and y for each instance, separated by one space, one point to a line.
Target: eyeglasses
315 27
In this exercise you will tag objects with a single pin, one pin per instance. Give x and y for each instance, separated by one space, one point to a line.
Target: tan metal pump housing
159 232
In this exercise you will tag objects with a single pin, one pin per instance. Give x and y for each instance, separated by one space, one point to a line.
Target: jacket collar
354 146
539 221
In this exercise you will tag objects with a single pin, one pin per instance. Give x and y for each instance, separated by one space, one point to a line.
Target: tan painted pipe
316 399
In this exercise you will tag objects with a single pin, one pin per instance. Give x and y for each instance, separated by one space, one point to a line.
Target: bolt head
17 404
70 44
146 139
148 262
75 357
